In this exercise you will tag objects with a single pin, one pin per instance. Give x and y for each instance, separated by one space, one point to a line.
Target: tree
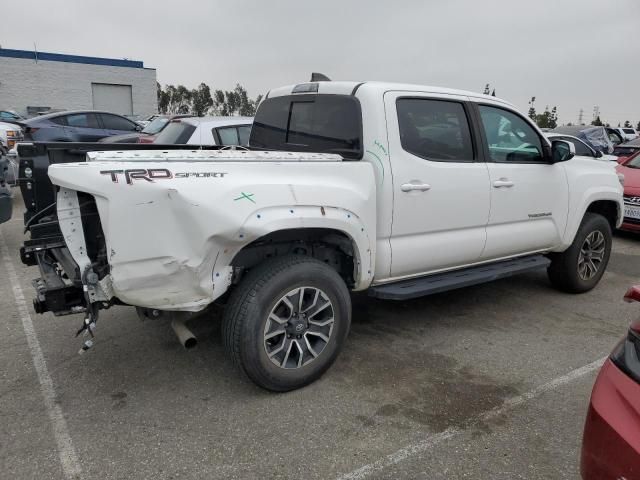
201 100
597 122
638 127
174 99
548 119
532 109
627 124
234 102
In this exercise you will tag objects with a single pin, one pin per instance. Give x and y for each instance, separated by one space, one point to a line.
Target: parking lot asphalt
491 381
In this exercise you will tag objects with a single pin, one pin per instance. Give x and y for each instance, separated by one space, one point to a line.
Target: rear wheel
287 321
579 268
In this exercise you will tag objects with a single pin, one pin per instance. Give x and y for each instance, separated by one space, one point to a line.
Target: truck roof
350 88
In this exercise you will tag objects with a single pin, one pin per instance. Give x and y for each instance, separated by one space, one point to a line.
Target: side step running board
441 282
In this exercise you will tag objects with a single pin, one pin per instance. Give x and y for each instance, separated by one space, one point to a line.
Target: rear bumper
611 441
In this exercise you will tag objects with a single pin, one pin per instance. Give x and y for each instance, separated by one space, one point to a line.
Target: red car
611 441
630 168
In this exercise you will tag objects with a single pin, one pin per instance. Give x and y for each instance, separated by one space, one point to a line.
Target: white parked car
582 148
401 190
627 133
10 134
207 131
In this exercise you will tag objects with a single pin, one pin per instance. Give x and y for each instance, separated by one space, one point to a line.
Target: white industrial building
32 82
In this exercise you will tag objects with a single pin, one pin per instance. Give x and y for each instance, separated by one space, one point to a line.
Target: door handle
411 187
503 183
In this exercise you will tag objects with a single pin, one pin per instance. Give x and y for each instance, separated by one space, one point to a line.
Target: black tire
250 309
564 269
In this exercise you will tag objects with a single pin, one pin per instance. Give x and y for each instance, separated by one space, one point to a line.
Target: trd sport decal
152 174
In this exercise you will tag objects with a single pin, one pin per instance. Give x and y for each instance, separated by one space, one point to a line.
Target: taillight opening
626 355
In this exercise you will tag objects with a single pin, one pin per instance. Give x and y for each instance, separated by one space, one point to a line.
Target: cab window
434 129
509 137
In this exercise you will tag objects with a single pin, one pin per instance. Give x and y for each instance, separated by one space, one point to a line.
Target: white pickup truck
403 190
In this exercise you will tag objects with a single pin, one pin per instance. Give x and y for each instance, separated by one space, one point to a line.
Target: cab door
440 183
529 195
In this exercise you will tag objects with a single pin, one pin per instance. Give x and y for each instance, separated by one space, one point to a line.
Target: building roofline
61 57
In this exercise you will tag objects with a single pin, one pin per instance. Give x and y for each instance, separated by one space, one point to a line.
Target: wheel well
608 209
333 247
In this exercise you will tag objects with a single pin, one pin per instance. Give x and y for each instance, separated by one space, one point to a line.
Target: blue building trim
60 57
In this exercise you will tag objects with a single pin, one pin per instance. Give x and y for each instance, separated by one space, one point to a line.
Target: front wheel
579 268
287 321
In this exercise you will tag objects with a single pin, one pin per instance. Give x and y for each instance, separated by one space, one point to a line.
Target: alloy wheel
299 327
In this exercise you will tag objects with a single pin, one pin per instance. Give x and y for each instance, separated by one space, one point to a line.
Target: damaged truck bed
59 287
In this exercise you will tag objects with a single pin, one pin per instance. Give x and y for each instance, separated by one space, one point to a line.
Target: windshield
309 123
155 125
633 162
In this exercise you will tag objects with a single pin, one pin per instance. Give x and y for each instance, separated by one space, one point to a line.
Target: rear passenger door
83 127
440 183
529 195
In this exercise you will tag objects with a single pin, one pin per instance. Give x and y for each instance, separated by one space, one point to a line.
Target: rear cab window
310 123
176 133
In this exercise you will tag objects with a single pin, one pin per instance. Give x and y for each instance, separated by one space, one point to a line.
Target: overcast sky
570 53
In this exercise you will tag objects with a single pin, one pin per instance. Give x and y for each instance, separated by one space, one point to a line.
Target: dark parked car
5 191
598 138
9 116
77 126
626 150
148 133
611 440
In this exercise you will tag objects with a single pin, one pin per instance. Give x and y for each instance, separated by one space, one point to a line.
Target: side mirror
138 128
598 154
561 151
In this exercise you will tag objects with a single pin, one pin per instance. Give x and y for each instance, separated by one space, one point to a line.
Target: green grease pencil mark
381 147
245 195
380 162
